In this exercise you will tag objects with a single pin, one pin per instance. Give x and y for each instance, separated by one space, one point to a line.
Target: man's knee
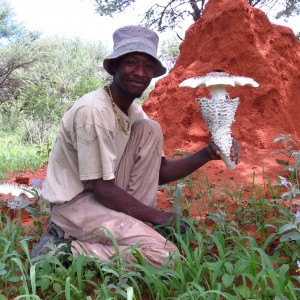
158 256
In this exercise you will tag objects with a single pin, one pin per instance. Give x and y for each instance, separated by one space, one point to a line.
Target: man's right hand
172 220
113 197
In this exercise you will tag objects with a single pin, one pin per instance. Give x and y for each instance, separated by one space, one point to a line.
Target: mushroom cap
218 79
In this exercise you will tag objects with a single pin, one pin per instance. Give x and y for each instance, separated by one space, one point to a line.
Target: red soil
239 39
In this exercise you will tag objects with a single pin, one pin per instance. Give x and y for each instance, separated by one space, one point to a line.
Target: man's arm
113 197
174 169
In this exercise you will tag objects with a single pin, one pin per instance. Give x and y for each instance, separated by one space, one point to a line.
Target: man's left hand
215 152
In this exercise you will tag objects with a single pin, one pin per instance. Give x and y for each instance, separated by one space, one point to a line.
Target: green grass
218 259
16 156
252 252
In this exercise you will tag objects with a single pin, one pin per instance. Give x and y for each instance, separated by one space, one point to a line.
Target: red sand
239 39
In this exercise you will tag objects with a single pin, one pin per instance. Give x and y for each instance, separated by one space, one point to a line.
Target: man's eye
130 62
150 67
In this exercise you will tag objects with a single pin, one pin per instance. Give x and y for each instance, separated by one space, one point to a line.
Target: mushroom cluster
219 111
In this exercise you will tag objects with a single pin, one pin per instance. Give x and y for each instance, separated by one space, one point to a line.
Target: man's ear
114 66
113 70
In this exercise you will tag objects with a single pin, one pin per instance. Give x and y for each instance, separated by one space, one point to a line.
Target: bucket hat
133 38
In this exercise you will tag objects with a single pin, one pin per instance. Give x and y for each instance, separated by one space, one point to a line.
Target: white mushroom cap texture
218 79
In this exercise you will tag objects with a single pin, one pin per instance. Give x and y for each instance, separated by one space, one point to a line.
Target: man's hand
172 220
215 152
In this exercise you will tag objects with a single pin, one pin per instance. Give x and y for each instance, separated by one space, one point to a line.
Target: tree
7 28
72 69
168 14
292 8
162 15
18 51
14 58
50 86
169 51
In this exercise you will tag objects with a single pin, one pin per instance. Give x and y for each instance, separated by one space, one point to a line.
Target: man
107 162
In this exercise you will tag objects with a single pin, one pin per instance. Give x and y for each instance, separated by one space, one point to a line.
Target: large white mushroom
219 111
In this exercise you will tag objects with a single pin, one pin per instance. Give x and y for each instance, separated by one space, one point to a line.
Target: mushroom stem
218 93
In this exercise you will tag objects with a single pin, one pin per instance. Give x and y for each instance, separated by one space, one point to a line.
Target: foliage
16 57
73 68
169 14
290 157
18 51
50 86
166 15
39 80
249 252
9 28
291 8
169 52
217 259
17 157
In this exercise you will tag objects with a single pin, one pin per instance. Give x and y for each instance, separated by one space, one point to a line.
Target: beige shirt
89 145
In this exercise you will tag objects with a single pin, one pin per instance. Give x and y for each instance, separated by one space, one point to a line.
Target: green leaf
241 266
290 236
286 227
57 287
281 297
286 195
137 254
177 209
24 204
282 162
33 278
243 290
68 288
33 211
14 279
227 280
44 283
178 191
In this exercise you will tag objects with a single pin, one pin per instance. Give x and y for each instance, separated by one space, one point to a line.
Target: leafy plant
291 160
217 258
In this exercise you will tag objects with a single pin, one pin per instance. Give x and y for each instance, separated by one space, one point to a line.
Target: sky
77 18
73 18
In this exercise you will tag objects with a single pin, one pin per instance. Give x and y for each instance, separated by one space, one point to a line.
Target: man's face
133 73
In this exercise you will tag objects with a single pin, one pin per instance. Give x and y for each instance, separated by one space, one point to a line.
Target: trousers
95 229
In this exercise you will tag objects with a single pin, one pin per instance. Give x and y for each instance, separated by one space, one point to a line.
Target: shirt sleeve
95 143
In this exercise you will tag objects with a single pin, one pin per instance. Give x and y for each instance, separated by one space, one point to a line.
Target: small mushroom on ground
219 111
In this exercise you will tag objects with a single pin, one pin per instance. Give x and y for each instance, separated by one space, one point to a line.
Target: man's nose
140 70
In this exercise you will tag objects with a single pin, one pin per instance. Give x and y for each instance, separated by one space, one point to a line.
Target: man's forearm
113 197
174 169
